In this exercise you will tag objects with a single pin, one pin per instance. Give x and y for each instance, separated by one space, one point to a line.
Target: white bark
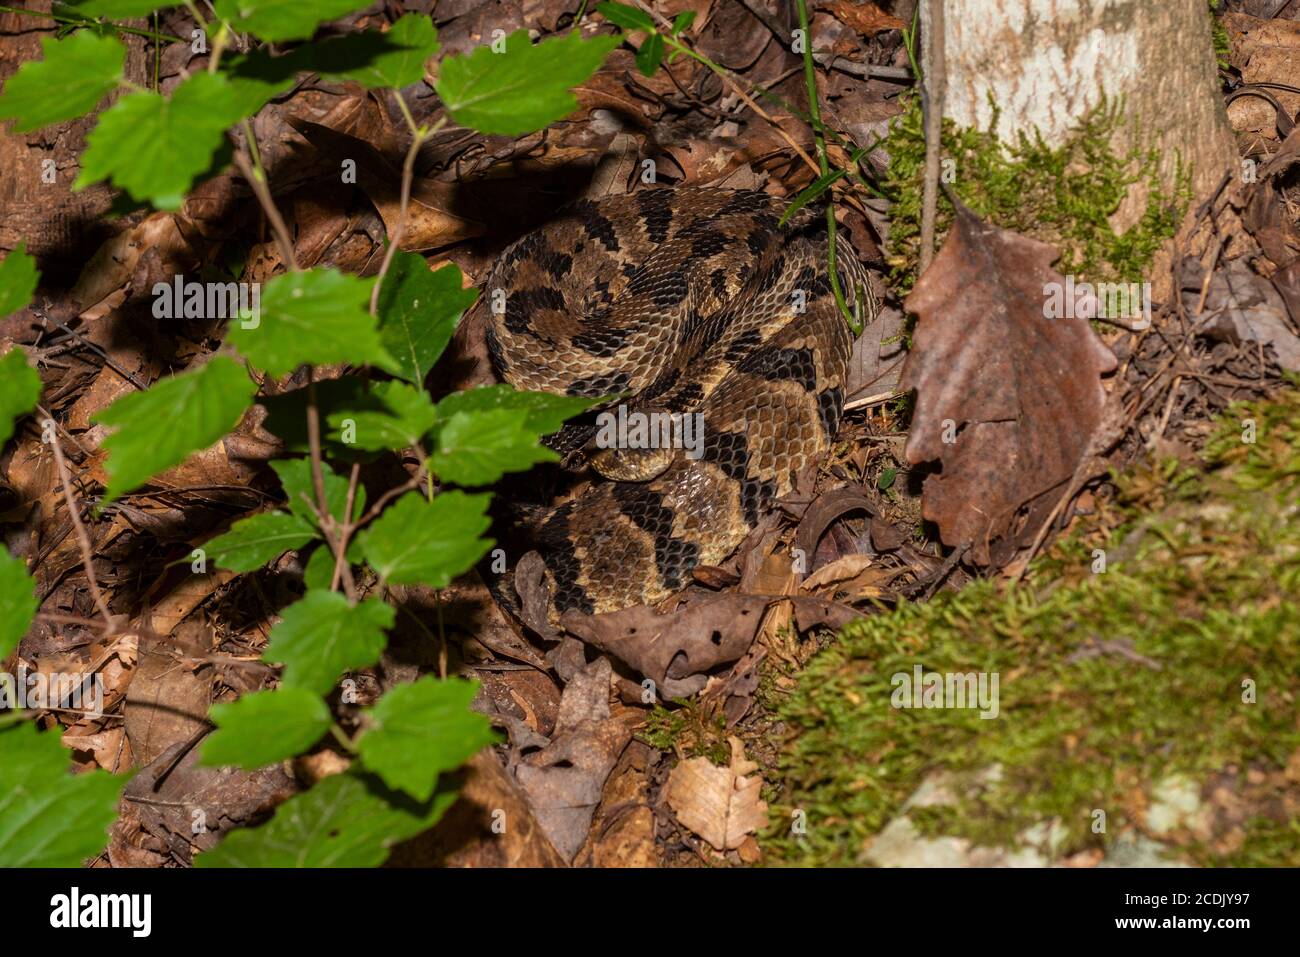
1047 63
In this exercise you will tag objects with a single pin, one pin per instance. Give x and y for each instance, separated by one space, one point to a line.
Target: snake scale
687 300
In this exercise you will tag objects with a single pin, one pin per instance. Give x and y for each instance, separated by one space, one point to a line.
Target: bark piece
1007 400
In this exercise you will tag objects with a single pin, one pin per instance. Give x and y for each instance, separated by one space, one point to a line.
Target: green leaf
650 55
346 820
18 277
20 390
73 77
267 726
286 414
523 89
319 572
154 146
18 602
162 426
477 448
315 317
419 309
295 476
277 20
417 42
682 22
396 416
254 541
50 817
322 636
417 541
629 18
259 76
544 413
417 731
819 186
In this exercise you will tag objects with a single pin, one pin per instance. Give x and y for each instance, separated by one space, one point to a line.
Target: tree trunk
1047 63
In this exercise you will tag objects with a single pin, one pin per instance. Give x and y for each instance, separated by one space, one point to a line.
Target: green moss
1222 48
686 729
1060 195
1108 682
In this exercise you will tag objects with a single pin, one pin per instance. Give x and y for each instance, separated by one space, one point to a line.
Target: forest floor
1132 665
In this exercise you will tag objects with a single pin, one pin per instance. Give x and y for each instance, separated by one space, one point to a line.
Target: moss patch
1108 682
1060 195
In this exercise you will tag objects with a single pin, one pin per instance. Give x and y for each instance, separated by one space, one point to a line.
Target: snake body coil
684 301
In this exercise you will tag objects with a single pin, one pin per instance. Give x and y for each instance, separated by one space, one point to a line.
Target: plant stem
932 100
327 524
418 135
815 111
59 18
257 180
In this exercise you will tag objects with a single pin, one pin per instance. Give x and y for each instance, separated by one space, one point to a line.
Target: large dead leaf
167 700
490 825
721 805
675 650
1007 400
564 781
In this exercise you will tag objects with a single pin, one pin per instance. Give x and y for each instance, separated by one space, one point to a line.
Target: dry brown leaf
864 17
167 702
1007 400
471 833
674 650
564 781
842 569
1266 51
721 805
1241 307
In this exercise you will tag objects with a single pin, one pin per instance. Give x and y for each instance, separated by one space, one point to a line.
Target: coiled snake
683 301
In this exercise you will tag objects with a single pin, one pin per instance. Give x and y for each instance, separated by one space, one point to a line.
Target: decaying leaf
1241 307
1006 399
564 781
864 17
721 805
192 806
676 650
167 701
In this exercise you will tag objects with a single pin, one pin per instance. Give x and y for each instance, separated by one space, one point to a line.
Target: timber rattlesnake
686 301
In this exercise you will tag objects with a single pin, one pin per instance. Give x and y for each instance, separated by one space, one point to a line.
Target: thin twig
932 92
263 193
83 538
345 531
418 135
323 515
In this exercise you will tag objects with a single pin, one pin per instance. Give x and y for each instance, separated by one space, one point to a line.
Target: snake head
631 465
